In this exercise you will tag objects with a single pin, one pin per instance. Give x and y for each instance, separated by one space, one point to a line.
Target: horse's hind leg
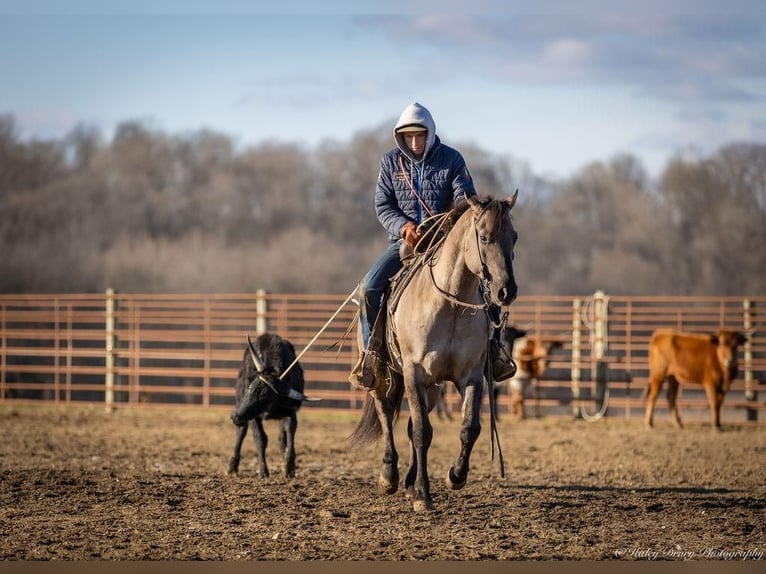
469 432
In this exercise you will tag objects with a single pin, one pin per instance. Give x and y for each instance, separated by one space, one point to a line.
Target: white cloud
566 52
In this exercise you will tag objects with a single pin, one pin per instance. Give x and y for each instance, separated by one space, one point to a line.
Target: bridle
485 282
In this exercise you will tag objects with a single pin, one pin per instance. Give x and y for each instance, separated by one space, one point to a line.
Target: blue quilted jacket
440 177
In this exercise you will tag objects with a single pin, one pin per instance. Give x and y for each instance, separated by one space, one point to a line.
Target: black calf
261 394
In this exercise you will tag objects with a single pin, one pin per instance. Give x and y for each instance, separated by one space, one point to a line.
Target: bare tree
149 211
719 220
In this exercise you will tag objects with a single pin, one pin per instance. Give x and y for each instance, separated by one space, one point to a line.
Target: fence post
750 394
109 373
576 350
261 308
207 360
2 354
600 332
56 357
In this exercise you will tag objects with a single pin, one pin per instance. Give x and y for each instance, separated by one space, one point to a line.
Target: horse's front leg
469 432
420 432
388 480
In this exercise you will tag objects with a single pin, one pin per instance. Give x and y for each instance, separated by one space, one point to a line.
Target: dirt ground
151 484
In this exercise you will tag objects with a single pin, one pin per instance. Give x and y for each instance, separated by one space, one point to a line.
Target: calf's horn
259 366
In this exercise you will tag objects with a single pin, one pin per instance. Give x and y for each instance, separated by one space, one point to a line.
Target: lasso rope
306 348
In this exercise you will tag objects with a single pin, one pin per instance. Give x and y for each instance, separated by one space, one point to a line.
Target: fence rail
149 350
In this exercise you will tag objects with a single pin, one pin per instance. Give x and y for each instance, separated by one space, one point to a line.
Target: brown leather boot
355 377
362 375
503 366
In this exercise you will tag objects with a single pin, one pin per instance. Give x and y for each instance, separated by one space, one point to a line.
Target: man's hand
410 233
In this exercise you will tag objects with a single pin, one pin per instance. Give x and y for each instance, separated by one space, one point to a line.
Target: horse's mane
462 205
442 224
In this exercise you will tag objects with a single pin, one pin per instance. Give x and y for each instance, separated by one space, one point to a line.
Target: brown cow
709 360
531 357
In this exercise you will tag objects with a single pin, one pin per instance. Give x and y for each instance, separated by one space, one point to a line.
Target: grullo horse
439 330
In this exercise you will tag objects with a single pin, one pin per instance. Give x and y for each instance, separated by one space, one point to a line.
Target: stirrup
503 369
362 375
503 366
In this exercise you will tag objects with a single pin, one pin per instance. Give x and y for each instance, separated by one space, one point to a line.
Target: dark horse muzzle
507 294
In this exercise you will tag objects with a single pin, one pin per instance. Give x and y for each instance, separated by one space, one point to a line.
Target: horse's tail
368 430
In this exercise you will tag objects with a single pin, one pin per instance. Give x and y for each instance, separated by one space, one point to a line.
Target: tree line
148 211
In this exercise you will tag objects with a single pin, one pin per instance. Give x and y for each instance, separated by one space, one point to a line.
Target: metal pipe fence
117 350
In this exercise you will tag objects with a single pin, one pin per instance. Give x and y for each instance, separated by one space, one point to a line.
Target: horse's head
489 246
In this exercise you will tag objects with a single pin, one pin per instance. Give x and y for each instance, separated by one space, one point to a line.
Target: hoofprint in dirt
151 484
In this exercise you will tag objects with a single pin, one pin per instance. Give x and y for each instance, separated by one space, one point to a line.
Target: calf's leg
655 384
714 399
234 460
672 403
517 398
261 442
287 428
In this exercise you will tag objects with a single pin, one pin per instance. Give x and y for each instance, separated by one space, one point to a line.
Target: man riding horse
419 178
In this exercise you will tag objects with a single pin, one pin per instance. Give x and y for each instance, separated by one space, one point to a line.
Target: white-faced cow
531 357
702 359
262 393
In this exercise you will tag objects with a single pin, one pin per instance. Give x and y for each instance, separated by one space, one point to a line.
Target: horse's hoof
423 505
387 487
454 482
419 503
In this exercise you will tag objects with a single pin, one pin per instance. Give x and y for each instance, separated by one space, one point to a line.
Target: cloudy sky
553 87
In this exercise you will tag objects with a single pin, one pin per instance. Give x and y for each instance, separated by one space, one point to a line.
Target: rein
484 285
451 298
494 435
412 187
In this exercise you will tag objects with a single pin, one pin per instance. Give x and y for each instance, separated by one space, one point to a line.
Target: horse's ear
472 200
511 201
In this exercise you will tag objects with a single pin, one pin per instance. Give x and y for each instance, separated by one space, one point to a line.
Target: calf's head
727 344
263 388
542 349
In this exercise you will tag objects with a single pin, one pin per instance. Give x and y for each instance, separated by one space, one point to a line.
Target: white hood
415 114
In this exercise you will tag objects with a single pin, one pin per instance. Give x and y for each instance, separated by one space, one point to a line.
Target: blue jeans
375 285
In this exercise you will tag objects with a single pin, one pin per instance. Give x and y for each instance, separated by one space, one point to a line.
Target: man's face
415 141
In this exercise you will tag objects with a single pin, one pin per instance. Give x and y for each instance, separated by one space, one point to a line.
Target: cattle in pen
265 390
696 359
531 355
